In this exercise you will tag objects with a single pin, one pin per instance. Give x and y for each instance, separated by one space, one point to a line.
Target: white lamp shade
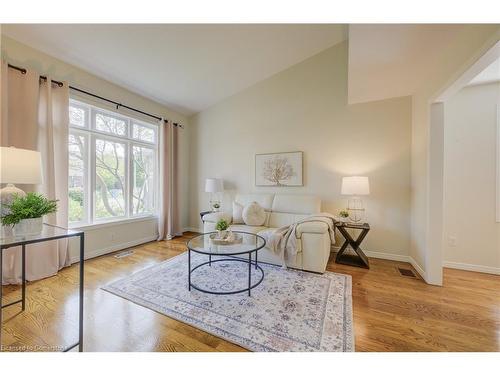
213 185
355 185
20 166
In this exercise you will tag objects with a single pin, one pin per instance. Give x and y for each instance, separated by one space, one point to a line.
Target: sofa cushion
247 228
296 204
237 213
277 219
254 214
264 200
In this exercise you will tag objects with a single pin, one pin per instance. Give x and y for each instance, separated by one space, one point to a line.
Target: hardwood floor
391 312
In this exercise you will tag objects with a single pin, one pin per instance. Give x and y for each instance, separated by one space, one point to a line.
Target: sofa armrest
214 217
311 227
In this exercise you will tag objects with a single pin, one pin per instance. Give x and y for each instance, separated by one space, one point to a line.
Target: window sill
113 223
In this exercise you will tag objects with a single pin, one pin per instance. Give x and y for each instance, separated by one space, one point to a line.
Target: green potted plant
343 215
221 227
25 213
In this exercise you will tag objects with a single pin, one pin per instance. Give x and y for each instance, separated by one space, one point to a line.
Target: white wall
458 56
117 236
305 108
390 60
472 235
426 62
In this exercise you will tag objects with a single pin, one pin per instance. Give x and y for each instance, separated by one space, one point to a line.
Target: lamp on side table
214 186
17 166
355 186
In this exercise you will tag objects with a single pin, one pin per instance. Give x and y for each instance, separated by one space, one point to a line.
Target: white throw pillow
237 213
253 214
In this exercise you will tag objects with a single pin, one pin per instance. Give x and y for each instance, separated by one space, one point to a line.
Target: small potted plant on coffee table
25 214
221 227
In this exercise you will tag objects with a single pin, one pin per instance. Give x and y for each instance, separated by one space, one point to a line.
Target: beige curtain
35 116
169 213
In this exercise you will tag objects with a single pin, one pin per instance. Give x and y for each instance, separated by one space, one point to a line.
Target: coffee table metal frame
229 257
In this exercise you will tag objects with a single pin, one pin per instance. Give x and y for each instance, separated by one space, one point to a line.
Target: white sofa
281 209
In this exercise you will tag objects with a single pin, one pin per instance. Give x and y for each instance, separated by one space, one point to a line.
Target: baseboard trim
396 257
111 249
388 256
380 255
472 267
417 267
193 229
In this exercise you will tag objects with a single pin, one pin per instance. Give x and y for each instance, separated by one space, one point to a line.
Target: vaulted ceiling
185 67
387 61
488 75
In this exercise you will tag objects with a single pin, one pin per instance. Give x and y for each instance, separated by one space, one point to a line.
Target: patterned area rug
289 311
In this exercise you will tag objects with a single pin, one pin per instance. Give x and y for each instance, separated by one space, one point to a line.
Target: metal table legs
249 273
211 261
22 301
80 299
1 290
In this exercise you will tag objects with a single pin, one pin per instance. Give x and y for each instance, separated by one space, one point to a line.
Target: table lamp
214 186
355 186
17 166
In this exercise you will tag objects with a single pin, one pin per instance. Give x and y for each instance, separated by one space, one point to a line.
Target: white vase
221 234
28 227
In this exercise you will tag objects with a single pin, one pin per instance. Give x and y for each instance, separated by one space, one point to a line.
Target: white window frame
77 130
93 139
85 108
153 147
150 126
91 134
94 111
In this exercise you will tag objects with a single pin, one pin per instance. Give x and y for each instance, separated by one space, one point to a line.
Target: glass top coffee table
240 250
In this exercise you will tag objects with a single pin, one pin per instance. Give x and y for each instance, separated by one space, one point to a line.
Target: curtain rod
118 105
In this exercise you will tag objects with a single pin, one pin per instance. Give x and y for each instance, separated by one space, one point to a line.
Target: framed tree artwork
279 169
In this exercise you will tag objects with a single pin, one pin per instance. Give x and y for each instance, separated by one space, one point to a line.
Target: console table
360 259
49 233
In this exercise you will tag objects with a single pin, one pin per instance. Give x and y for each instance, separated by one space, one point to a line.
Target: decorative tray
230 239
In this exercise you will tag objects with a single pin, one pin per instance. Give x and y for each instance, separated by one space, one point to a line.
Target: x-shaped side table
360 259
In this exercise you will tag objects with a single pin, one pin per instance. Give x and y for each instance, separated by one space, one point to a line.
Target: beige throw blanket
283 241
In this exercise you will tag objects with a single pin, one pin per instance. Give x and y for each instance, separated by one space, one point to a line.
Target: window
112 165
